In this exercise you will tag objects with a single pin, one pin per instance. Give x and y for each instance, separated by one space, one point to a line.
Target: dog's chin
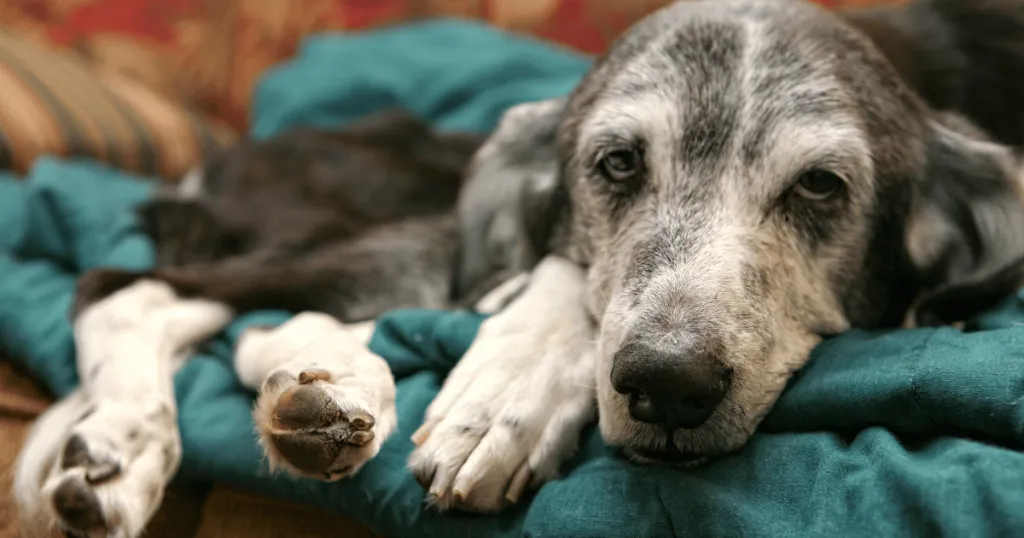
649 444
664 456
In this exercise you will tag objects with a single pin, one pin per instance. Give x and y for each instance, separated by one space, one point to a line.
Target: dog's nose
677 389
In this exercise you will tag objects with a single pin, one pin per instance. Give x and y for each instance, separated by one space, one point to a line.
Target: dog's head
744 178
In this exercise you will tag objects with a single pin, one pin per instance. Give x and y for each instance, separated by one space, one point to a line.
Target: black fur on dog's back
965 58
959 55
350 222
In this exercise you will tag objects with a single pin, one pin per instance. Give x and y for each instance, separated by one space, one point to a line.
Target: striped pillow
55 103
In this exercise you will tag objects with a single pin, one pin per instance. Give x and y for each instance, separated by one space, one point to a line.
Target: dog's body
734 181
350 223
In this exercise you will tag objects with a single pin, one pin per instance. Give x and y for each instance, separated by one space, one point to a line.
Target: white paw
109 477
118 441
327 404
512 409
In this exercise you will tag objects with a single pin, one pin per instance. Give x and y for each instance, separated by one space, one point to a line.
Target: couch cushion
54 103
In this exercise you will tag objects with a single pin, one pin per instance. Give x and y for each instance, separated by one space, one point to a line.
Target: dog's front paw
110 475
328 408
309 426
95 464
509 414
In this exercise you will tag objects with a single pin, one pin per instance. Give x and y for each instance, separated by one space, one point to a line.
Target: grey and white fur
735 181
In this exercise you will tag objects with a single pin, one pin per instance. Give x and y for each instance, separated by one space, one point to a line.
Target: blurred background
171 59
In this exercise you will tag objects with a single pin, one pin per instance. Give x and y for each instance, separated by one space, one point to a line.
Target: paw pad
309 452
303 407
78 505
312 435
360 438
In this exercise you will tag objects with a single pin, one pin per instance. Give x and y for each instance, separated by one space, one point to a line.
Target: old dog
733 182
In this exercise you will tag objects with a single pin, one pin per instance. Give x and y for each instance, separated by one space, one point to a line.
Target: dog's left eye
818 185
621 165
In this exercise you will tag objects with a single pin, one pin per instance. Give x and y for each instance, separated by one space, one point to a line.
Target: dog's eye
621 165
818 185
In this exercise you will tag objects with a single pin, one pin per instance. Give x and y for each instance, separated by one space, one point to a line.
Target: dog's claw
425 478
420 435
437 483
362 438
313 374
518 483
102 472
361 421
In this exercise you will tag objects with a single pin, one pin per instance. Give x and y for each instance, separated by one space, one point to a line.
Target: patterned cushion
55 103
211 53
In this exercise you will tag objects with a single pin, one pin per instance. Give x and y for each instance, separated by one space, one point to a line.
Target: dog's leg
121 446
405 264
513 408
326 403
38 455
503 294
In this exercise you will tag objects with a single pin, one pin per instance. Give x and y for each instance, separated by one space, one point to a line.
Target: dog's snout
674 388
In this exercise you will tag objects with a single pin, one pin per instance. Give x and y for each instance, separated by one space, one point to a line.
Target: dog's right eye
818 185
621 165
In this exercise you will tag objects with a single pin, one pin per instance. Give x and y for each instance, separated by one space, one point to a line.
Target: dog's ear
510 198
966 231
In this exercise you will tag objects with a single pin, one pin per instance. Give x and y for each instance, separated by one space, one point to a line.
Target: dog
733 182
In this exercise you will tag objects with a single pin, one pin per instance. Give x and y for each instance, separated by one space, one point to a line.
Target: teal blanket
899 433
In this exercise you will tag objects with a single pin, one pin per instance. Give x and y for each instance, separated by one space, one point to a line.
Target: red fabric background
209 53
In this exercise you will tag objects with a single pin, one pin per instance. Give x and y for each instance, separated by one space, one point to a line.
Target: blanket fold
886 433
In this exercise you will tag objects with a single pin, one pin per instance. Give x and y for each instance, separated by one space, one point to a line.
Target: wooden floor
220 513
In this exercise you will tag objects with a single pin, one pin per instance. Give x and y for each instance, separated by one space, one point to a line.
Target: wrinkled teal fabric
897 433
460 75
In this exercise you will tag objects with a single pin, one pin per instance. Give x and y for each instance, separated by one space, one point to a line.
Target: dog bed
887 433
